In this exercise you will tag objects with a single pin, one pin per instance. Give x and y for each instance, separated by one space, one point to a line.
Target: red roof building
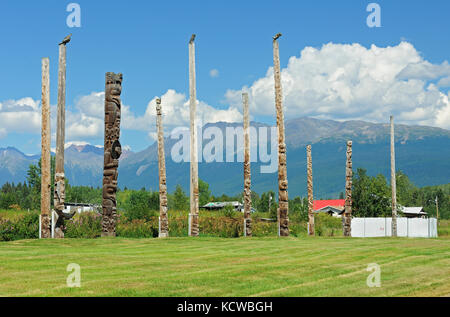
333 207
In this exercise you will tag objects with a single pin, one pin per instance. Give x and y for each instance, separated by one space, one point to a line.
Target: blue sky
147 42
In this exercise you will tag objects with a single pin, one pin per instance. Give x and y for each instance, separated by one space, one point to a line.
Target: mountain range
423 153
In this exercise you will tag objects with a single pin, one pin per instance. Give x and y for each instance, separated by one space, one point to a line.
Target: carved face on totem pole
112 149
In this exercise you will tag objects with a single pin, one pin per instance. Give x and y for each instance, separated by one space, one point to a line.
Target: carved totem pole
347 219
194 162
45 150
310 191
163 219
60 191
283 202
393 182
112 152
247 178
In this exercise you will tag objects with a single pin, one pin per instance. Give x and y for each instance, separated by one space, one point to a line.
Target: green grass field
226 267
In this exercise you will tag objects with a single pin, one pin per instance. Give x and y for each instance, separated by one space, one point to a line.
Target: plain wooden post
283 201
310 191
60 192
347 221
247 171
437 211
393 181
193 144
163 219
45 152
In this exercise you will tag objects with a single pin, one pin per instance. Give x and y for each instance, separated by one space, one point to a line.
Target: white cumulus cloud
21 115
349 81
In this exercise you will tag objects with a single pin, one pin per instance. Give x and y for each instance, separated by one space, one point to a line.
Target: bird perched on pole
192 38
66 39
276 36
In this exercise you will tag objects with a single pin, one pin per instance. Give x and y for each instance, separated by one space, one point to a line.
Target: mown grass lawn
226 267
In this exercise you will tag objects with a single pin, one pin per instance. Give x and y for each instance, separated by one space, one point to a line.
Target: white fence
406 227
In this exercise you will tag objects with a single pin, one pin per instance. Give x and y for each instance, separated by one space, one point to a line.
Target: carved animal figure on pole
310 191
163 219
347 219
112 152
393 181
247 171
45 150
283 201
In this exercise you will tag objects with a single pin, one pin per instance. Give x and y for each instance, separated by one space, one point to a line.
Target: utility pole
310 191
347 220
194 162
163 219
393 181
45 151
247 171
60 191
283 201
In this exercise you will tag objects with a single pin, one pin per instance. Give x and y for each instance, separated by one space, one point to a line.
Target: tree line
371 197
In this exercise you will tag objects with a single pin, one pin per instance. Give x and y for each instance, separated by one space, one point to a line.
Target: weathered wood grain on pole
247 171
393 181
60 192
437 211
347 219
164 223
310 191
112 151
283 202
45 152
194 162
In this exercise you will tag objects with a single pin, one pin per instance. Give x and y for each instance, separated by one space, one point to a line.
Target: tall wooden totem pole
60 190
247 176
193 215
163 219
347 219
393 181
310 191
45 150
112 151
283 202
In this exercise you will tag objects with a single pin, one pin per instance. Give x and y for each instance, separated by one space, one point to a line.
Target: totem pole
247 178
283 202
393 182
194 162
60 190
112 151
310 191
347 219
163 219
45 150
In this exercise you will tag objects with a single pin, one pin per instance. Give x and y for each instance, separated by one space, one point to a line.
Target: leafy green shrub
224 227
262 229
23 227
229 212
138 228
141 205
84 225
326 225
